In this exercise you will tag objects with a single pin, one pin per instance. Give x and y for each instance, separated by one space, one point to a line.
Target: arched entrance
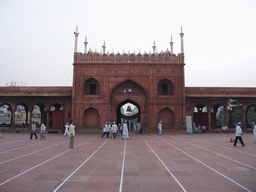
129 111
129 92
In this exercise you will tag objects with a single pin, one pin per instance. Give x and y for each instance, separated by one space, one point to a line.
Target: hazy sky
37 37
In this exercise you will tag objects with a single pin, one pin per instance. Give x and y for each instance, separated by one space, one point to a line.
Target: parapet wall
125 58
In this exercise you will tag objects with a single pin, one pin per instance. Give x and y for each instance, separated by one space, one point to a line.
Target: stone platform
145 162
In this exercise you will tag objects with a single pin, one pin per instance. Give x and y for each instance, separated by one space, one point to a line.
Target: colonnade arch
21 114
216 115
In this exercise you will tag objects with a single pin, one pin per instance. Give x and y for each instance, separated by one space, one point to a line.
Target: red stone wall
143 77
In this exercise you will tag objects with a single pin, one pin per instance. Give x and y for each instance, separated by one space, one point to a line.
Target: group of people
42 131
70 131
112 130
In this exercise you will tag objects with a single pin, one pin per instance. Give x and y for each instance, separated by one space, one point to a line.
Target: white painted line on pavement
78 167
218 154
228 148
26 146
39 164
207 166
12 141
122 173
165 166
31 153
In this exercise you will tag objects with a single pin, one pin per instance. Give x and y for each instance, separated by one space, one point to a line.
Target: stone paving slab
171 162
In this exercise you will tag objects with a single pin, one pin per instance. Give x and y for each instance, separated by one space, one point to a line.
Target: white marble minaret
171 44
104 47
154 47
85 45
76 37
181 38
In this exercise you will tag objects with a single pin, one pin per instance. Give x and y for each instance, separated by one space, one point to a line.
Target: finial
85 45
154 46
76 36
181 36
171 44
104 47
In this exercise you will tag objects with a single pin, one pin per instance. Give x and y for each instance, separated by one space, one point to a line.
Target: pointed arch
91 87
91 118
250 115
166 115
118 110
122 88
6 114
165 87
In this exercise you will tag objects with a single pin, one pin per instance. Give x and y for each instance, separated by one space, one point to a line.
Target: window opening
92 89
164 89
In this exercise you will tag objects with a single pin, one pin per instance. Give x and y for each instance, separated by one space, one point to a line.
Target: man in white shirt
33 130
43 127
239 134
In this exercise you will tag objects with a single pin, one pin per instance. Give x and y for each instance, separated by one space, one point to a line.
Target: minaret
171 43
154 47
104 47
76 36
85 45
181 37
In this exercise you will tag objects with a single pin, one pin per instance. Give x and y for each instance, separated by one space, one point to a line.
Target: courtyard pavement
145 162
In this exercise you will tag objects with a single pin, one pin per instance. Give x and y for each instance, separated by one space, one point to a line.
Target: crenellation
124 57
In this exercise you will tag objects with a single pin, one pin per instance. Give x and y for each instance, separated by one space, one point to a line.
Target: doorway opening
128 111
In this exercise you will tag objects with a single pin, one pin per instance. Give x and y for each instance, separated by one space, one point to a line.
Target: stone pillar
244 119
47 119
227 117
209 120
30 117
13 117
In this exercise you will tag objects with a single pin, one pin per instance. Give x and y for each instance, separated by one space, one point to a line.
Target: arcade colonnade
206 105
54 104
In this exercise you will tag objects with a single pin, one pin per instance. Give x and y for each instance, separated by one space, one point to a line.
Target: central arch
128 92
118 110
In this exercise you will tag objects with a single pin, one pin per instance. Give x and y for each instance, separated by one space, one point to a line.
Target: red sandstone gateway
151 82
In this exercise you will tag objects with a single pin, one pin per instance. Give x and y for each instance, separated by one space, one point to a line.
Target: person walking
239 134
254 132
125 131
139 128
71 134
66 129
160 128
42 132
110 130
114 129
33 130
1 133
105 130
119 129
